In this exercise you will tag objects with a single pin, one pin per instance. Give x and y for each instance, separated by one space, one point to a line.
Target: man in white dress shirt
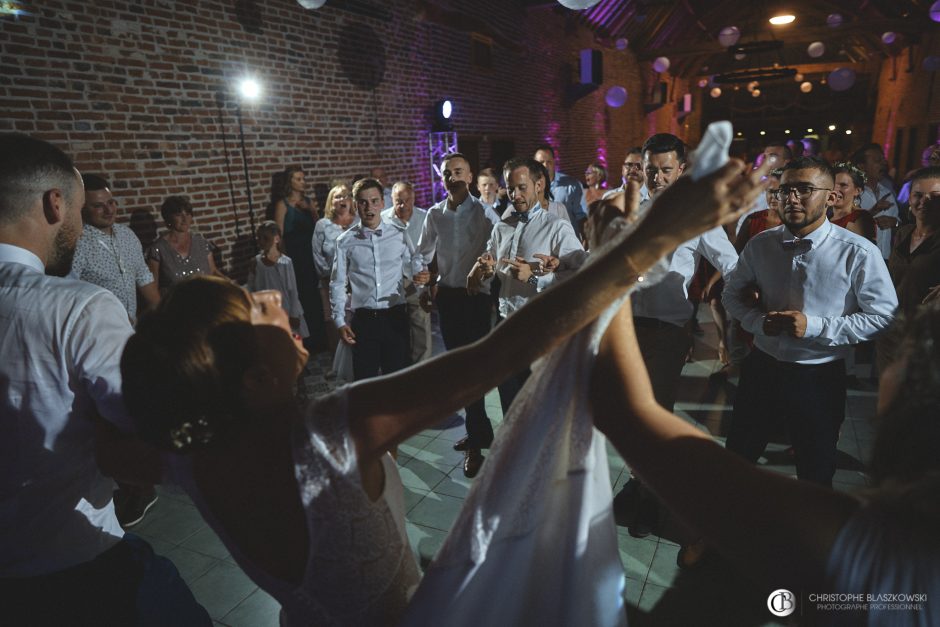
632 170
406 216
455 232
64 559
379 175
518 248
662 313
821 289
370 260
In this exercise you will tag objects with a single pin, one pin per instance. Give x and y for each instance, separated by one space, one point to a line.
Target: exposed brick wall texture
142 92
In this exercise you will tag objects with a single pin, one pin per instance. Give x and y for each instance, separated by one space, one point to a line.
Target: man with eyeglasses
820 289
632 170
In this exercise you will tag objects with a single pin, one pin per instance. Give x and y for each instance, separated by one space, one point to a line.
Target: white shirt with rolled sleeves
458 237
869 199
554 208
61 342
668 300
413 227
836 278
544 234
372 265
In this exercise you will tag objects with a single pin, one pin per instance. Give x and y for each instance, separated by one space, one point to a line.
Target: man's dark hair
453 155
779 143
94 183
536 170
367 183
546 148
636 150
28 168
661 143
811 163
930 172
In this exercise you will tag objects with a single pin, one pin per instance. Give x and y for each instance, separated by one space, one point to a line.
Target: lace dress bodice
360 568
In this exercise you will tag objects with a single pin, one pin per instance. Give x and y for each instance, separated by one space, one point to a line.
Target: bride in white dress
309 503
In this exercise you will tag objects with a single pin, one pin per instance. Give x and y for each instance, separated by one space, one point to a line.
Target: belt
379 313
653 323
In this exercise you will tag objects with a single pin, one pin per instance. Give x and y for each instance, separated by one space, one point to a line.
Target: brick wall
142 92
908 105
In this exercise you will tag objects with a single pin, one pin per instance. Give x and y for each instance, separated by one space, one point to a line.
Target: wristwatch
532 280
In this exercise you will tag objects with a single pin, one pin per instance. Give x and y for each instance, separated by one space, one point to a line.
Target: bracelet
532 280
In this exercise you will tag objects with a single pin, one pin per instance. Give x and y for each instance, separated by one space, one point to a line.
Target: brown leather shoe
461 444
472 461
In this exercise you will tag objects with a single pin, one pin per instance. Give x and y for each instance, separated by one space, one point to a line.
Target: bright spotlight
848 131
787 131
763 132
779 20
250 89
447 108
809 130
832 127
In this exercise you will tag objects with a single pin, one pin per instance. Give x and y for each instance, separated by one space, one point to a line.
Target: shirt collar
815 238
14 254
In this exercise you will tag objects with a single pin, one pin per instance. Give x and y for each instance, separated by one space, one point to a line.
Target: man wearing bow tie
369 260
518 247
821 289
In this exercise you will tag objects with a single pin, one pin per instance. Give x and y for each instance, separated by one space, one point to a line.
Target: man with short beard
821 289
455 233
632 170
64 559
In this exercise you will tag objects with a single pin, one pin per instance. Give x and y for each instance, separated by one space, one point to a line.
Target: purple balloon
835 20
932 64
935 11
841 79
616 96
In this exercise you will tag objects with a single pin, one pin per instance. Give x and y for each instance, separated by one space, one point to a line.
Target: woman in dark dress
296 214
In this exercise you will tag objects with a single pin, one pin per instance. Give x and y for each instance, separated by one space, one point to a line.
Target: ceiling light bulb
779 20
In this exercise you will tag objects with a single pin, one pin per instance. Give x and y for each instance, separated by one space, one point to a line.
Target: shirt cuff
814 326
340 321
544 281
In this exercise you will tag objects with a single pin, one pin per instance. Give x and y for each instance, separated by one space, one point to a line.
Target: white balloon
935 11
661 64
834 20
806 87
798 77
715 92
311 4
622 43
729 35
740 56
752 85
889 37
816 49
703 82
578 5
841 79
756 93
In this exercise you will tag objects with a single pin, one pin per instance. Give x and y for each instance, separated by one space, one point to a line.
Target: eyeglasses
633 166
803 190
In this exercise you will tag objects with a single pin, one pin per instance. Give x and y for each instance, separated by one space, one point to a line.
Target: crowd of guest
806 260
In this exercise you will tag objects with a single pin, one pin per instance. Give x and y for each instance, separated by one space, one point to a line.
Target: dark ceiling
686 31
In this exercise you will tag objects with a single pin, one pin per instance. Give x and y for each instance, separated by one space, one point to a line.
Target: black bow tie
790 244
522 216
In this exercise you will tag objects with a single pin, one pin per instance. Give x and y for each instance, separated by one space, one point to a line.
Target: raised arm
385 411
769 525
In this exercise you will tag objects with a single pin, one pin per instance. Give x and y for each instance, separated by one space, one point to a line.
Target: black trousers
807 399
383 341
464 319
